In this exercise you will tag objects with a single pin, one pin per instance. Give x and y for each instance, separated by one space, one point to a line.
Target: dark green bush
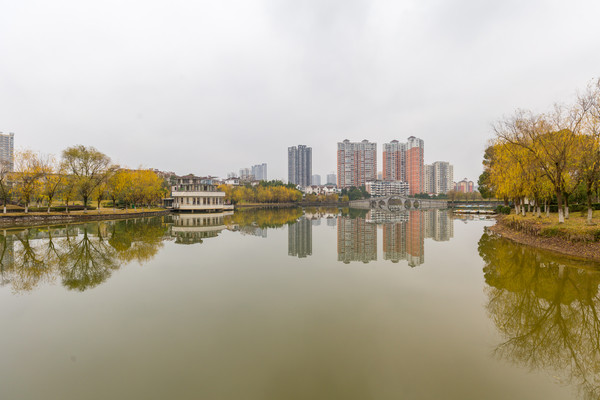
503 210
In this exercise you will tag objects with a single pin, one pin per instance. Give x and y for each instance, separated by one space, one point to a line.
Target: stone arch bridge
398 203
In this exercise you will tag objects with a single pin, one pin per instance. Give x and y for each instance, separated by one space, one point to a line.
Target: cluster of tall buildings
256 172
403 164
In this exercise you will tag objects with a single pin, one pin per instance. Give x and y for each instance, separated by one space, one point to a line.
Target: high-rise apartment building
246 174
260 172
316 180
438 177
394 161
404 162
356 163
444 175
256 172
415 150
465 186
428 179
331 179
7 149
300 165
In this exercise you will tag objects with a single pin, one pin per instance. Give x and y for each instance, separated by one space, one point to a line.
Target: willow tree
507 177
89 167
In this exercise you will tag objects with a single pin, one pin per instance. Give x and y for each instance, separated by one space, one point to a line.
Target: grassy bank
575 237
574 229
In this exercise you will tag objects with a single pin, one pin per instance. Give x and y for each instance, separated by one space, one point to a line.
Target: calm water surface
293 304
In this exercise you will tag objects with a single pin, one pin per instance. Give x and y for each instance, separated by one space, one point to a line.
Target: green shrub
503 210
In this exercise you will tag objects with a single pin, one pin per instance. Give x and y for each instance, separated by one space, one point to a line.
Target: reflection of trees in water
88 260
264 218
138 239
547 310
82 256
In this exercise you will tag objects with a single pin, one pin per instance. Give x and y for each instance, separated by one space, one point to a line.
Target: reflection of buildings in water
382 217
394 241
415 238
438 225
357 240
404 234
300 238
192 228
253 230
331 221
316 222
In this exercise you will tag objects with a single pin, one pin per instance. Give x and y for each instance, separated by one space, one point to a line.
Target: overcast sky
208 87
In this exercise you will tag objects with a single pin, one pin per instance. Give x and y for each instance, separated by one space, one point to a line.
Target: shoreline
578 249
8 221
290 205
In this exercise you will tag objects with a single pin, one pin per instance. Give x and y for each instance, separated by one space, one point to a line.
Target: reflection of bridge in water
398 203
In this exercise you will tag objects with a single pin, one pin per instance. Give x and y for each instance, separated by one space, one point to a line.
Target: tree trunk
547 208
561 215
590 209
566 206
26 208
523 209
85 199
67 206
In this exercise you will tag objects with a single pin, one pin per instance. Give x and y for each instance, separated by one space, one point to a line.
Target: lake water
293 304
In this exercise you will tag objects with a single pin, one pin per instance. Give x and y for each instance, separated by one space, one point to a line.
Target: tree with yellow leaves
52 180
28 171
550 140
6 183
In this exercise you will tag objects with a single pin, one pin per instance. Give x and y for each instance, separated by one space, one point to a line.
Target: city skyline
283 73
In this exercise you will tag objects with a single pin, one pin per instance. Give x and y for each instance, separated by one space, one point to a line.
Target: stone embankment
9 221
564 241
